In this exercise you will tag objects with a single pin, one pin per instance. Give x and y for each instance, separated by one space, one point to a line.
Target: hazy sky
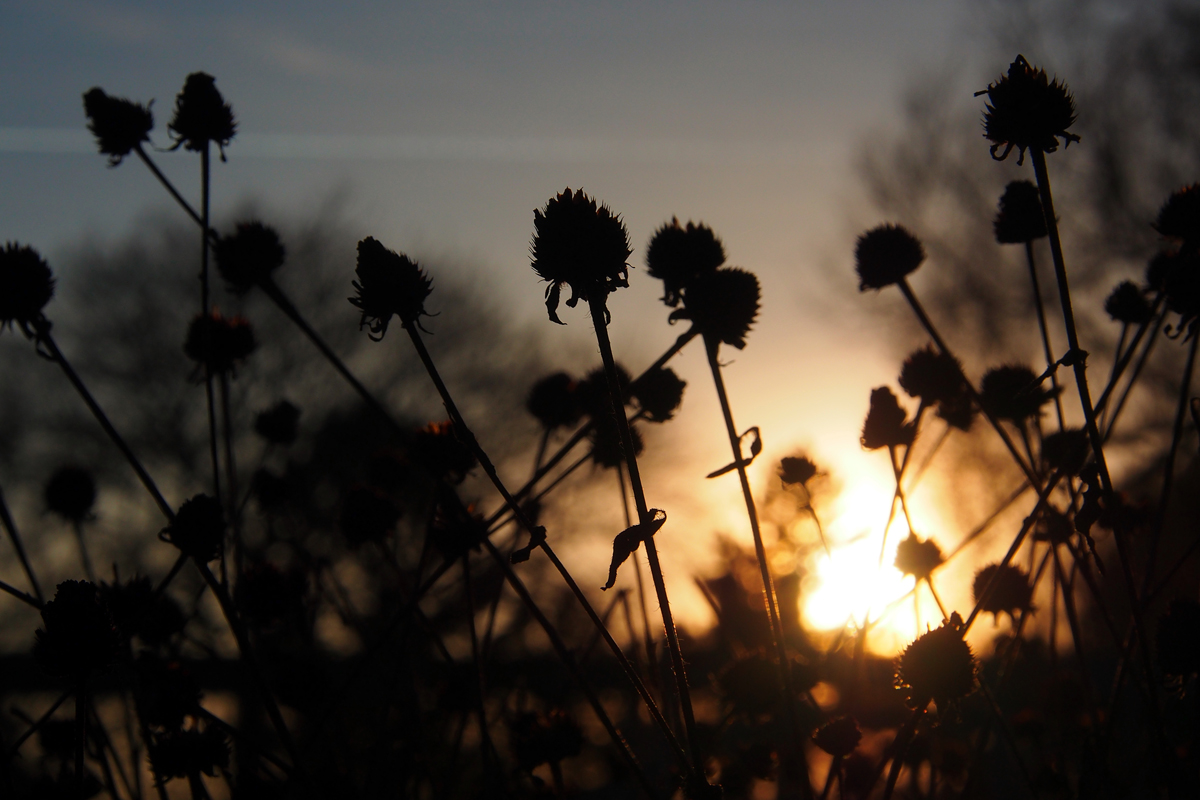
438 128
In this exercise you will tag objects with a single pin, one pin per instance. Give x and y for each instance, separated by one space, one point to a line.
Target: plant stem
596 305
80 732
1040 307
231 481
14 536
44 338
191 212
712 348
77 529
206 331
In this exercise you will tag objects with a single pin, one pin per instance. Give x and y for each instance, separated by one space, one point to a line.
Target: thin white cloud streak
510 150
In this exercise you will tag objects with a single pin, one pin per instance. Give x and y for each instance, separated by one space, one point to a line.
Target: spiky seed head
1012 392
678 254
1127 304
221 342
932 376
1027 110
1010 590
1066 451
70 493
838 737
918 558
582 244
722 304
796 469
77 636
659 393
885 255
198 529
248 256
119 125
1020 218
938 666
279 424
886 424
389 284
26 286
201 115
1179 217
554 401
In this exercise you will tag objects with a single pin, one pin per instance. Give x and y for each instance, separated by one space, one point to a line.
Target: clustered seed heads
580 244
119 125
389 284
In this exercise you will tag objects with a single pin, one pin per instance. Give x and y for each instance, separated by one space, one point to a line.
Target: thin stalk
928 459
1112 373
10 527
565 656
77 529
487 749
1067 592
45 339
648 638
712 348
80 732
24 737
1154 323
936 599
835 767
231 481
22 596
1133 379
191 212
596 305
899 747
104 744
207 330
1164 499
1040 307
468 438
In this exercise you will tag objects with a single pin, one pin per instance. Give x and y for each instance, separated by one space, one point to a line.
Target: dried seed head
78 636
959 413
279 423
1127 304
198 529
886 425
220 341
167 692
388 284
582 244
554 401
119 125
677 255
938 666
1020 218
1179 217
137 610
838 737
607 449
722 305
918 558
659 393
1027 110
932 376
248 256
1066 450
1178 642
1012 392
70 493
544 738
201 115
594 396
26 286
1010 590
187 753
367 516
885 255
437 447
796 469
455 530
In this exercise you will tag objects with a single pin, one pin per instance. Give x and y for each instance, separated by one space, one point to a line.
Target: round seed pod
1027 110
389 284
796 469
1127 304
119 125
886 255
222 342
677 255
198 529
26 286
918 558
70 493
938 666
659 393
248 256
1010 592
723 304
1020 218
554 401
278 424
201 115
